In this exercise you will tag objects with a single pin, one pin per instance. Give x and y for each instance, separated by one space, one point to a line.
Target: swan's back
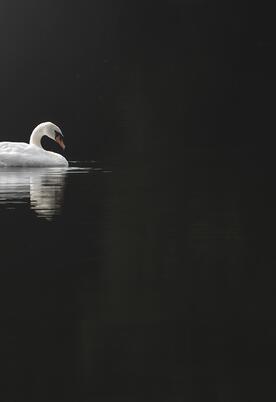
22 154
8 146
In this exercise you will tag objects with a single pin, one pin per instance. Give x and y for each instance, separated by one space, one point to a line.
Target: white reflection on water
42 188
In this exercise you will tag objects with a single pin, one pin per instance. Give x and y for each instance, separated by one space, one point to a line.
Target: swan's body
32 154
22 154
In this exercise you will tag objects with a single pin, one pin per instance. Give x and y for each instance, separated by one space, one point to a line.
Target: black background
124 78
158 281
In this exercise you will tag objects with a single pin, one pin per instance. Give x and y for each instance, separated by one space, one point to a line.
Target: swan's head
51 130
54 132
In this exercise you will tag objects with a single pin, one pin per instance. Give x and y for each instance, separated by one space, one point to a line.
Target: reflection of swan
32 154
44 188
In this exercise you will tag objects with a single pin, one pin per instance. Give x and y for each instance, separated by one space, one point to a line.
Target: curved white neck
36 136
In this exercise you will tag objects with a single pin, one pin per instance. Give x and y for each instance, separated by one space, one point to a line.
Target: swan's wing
12 153
10 147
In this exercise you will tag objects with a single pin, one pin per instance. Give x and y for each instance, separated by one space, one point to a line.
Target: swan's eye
58 135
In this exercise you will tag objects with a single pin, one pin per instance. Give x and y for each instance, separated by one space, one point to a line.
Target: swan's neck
36 136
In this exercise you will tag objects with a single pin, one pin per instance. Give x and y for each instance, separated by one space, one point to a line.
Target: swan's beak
60 142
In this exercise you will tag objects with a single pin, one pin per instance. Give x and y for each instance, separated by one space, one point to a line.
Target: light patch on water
40 188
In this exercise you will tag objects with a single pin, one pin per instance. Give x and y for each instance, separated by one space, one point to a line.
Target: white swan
32 154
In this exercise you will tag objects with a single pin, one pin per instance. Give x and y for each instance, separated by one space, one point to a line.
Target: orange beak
60 142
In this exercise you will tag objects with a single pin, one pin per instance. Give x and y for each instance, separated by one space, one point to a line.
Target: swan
32 154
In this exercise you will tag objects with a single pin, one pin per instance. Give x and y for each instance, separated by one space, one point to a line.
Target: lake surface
139 282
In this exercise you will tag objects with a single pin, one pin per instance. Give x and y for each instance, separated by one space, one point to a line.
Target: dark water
151 282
